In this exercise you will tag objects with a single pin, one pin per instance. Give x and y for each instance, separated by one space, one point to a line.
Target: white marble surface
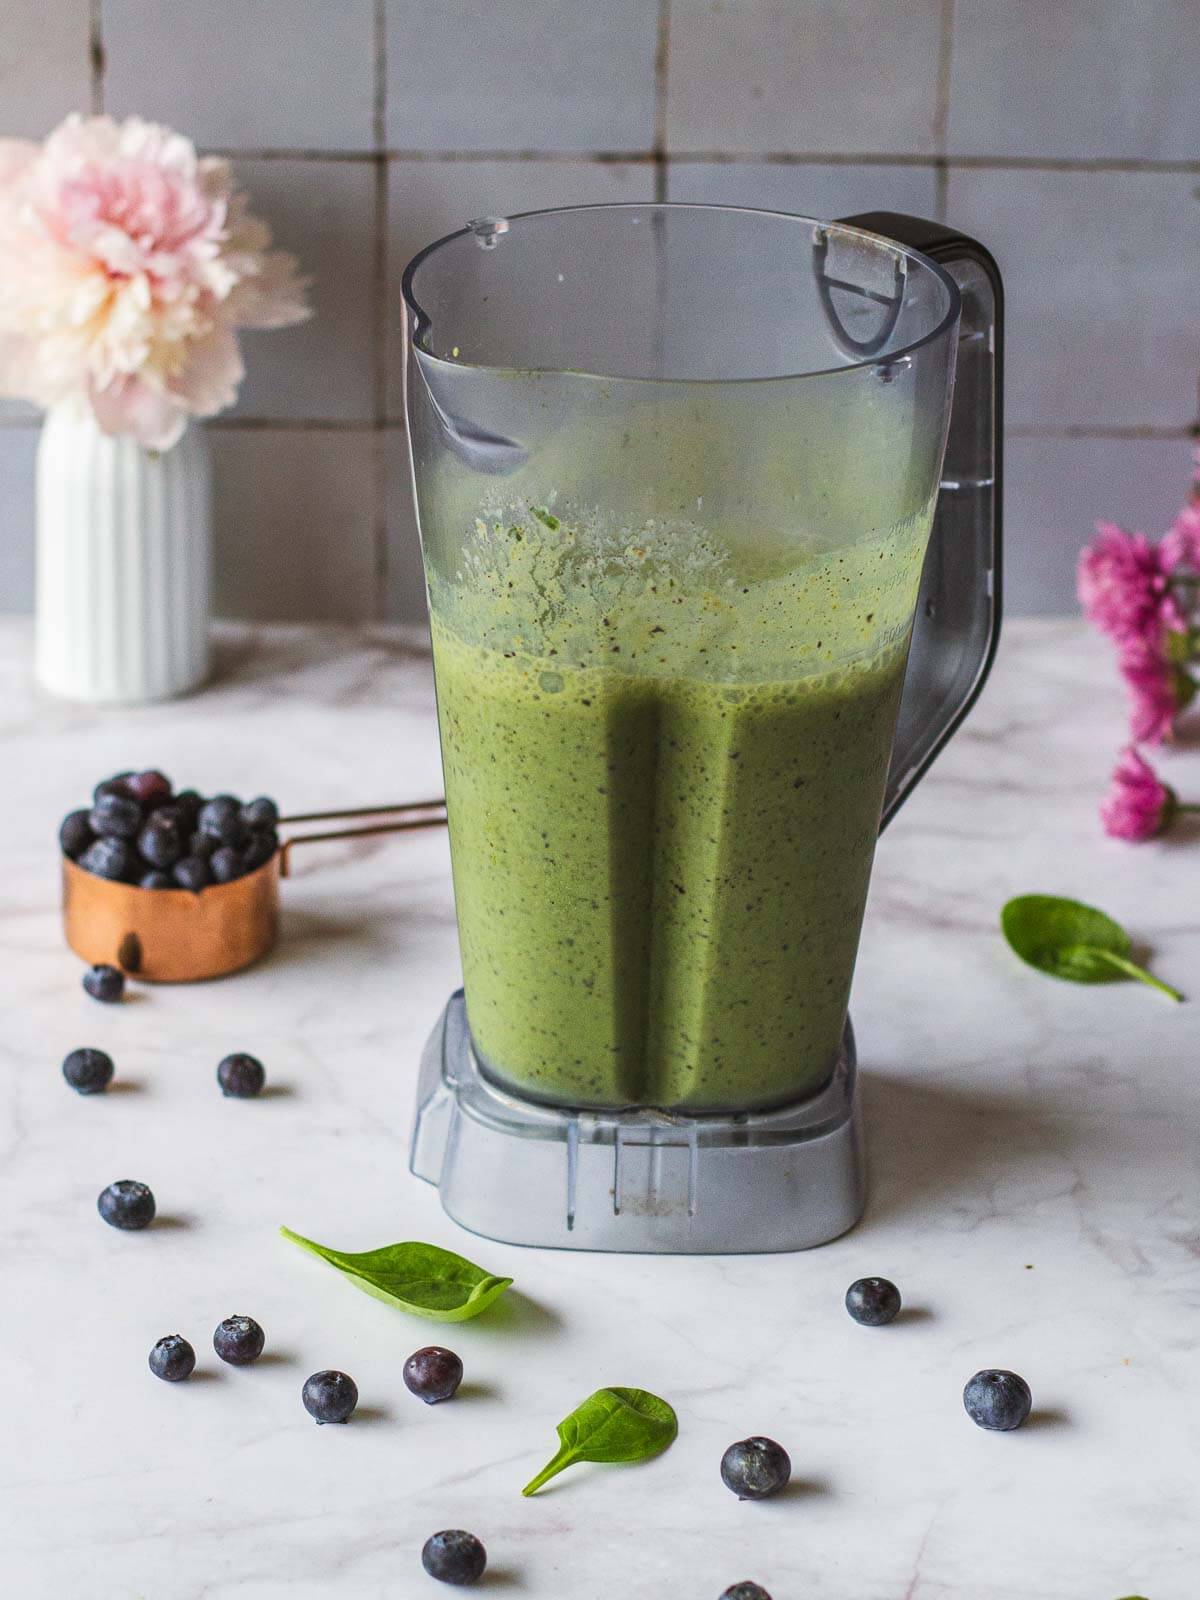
1035 1191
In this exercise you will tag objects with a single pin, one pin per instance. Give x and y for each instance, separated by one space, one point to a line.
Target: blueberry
755 1468
225 864
117 784
260 814
126 1204
873 1302
88 1071
330 1396
454 1556
75 834
241 1076
746 1591
108 858
157 880
187 802
192 873
114 816
997 1400
160 843
433 1374
259 851
105 983
202 845
172 1358
149 789
239 1340
222 818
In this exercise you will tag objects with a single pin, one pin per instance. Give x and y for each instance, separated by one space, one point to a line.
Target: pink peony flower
1154 685
1124 587
1137 806
126 265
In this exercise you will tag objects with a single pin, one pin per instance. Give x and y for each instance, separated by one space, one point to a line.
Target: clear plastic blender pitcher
677 470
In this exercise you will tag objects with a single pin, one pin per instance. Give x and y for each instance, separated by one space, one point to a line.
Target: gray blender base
634 1180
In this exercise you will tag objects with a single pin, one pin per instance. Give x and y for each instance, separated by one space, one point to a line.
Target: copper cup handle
391 819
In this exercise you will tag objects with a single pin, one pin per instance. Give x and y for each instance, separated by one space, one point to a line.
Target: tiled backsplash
1065 136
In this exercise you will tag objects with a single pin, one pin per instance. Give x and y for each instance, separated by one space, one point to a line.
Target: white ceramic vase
124 550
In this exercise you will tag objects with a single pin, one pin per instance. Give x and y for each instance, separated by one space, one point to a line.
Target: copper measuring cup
177 936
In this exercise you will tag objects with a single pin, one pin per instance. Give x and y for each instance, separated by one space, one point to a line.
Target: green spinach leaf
422 1279
1070 940
611 1425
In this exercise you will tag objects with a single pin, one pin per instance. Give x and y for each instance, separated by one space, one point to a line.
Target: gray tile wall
1066 136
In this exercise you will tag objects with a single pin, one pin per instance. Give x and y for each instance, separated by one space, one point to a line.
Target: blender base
637 1180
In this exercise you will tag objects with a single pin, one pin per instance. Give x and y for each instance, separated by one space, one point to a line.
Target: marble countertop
1035 1191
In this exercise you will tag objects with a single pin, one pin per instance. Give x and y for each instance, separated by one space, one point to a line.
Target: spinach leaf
611 1425
1070 940
422 1279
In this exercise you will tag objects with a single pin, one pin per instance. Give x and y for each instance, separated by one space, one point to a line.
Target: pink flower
1124 586
1137 806
126 265
1181 543
1154 685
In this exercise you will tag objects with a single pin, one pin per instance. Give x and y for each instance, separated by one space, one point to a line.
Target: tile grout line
379 447
96 58
662 66
1133 431
941 109
831 158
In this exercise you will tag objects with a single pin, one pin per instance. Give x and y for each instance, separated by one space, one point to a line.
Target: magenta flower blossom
1153 684
1137 806
1181 543
1124 587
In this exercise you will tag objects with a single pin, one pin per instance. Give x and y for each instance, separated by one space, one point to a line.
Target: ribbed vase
124 549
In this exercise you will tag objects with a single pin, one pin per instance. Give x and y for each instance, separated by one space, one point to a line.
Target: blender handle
957 624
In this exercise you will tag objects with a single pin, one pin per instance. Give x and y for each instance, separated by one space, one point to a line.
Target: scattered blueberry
454 1556
160 843
149 789
261 848
108 858
873 1302
126 1204
192 873
239 1340
997 1400
157 880
433 1374
172 1358
105 983
241 1076
755 1468
75 834
115 816
746 1591
117 784
88 1071
260 814
222 818
330 1396
225 864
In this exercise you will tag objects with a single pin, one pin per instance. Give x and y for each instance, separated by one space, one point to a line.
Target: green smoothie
665 761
